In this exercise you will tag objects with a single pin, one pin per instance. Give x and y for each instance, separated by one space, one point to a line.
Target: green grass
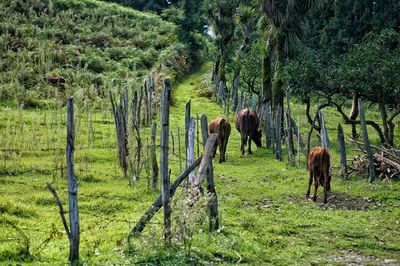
93 45
264 216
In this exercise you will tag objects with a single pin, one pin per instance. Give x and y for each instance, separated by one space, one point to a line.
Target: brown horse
247 123
318 164
223 128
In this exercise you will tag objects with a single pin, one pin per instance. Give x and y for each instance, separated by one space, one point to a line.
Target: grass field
264 216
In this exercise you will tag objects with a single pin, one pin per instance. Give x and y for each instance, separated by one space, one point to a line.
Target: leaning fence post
367 145
212 194
342 149
72 186
165 101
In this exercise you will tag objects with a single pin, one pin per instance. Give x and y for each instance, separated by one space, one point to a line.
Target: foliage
368 68
92 45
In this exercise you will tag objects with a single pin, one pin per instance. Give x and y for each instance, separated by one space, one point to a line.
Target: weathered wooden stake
289 130
197 134
342 150
139 109
187 124
153 156
165 189
212 194
298 140
179 150
190 147
72 186
367 145
278 134
298 135
173 142
324 131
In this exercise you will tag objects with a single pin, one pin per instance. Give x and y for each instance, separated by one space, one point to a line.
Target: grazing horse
247 123
223 128
318 164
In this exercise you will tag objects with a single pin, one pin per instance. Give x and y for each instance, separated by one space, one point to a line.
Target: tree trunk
384 116
266 89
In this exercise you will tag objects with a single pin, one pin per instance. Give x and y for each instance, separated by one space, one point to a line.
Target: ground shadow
339 201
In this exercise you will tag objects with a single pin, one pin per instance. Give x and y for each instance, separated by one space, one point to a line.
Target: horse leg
250 152
244 140
315 190
325 188
225 144
221 153
309 184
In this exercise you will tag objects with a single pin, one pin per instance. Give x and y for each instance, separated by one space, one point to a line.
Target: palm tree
285 18
220 14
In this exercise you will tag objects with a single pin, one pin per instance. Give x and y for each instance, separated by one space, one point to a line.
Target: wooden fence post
212 194
179 150
298 139
342 150
72 186
153 156
278 133
158 203
197 134
139 109
367 145
165 188
271 128
120 113
298 135
187 124
324 131
290 132
173 142
190 148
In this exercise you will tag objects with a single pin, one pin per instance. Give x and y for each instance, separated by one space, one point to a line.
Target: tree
285 18
220 14
370 69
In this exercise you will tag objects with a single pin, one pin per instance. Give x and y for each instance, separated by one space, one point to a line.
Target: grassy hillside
265 218
93 45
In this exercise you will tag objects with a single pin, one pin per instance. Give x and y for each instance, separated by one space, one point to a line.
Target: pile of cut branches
386 161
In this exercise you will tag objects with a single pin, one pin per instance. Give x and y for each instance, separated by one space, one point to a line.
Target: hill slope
93 45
